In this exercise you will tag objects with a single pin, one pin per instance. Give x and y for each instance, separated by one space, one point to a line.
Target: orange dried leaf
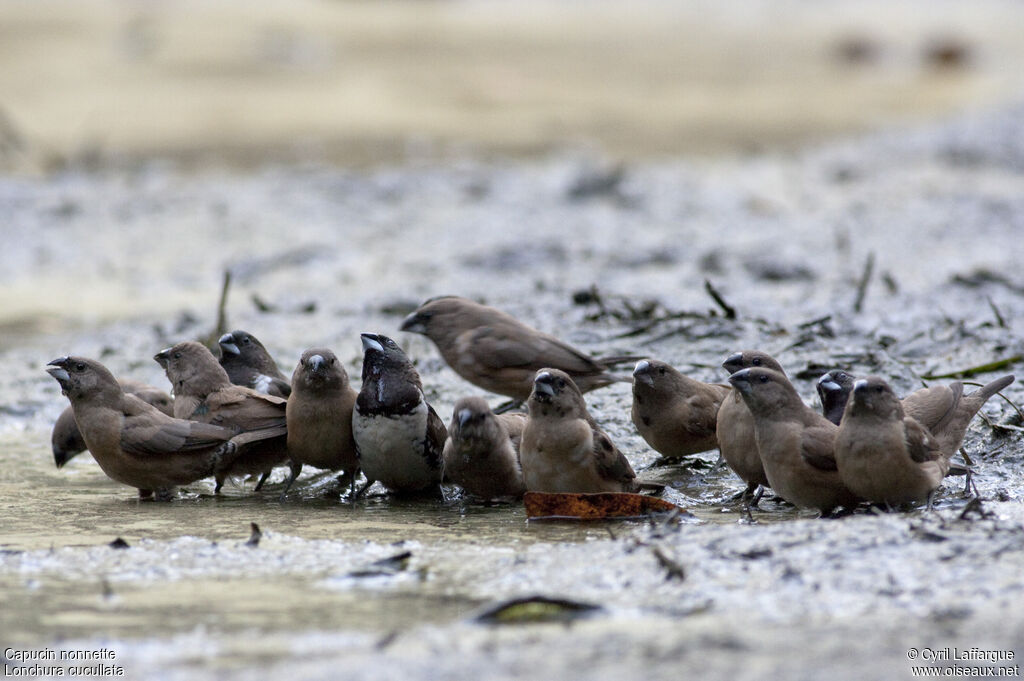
593 506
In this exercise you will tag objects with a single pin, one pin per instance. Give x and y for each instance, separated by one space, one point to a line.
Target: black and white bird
248 363
399 437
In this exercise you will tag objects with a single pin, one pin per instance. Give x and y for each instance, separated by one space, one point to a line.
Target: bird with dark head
795 443
675 414
887 455
493 350
319 414
734 427
399 437
132 441
563 448
248 363
481 454
66 441
203 392
943 409
834 389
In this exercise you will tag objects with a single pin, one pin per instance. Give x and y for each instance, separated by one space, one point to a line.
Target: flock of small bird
238 415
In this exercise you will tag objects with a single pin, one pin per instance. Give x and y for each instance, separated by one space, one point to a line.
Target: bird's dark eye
79 367
177 355
878 388
661 371
756 362
560 383
331 361
763 378
246 341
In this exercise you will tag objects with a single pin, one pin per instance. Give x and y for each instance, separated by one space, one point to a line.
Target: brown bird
398 435
563 448
203 392
734 428
495 351
675 414
888 456
883 455
795 442
248 363
943 409
134 442
66 441
481 454
319 414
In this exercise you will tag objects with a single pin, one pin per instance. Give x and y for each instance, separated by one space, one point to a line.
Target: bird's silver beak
542 384
828 385
370 342
60 374
413 323
640 373
228 345
734 360
464 416
162 357
741 381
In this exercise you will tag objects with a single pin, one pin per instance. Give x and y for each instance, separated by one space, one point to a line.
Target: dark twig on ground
254 536
222 314
995 310
865 279
673 570
729 310
980 369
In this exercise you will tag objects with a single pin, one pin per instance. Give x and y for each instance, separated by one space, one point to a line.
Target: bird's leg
757 496
165 494
263 479
220 483
747 515
969 485
747 492
296 468
742 494
362 490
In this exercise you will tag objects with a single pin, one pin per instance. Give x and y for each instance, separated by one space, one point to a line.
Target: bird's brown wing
499 345
611 463
703 407
148 431
514 423
436 435
933 406
246 410
920 444
817 446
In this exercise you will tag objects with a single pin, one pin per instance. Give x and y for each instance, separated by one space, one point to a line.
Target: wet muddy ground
118 264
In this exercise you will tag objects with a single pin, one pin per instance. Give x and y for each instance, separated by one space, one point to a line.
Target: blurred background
355 83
